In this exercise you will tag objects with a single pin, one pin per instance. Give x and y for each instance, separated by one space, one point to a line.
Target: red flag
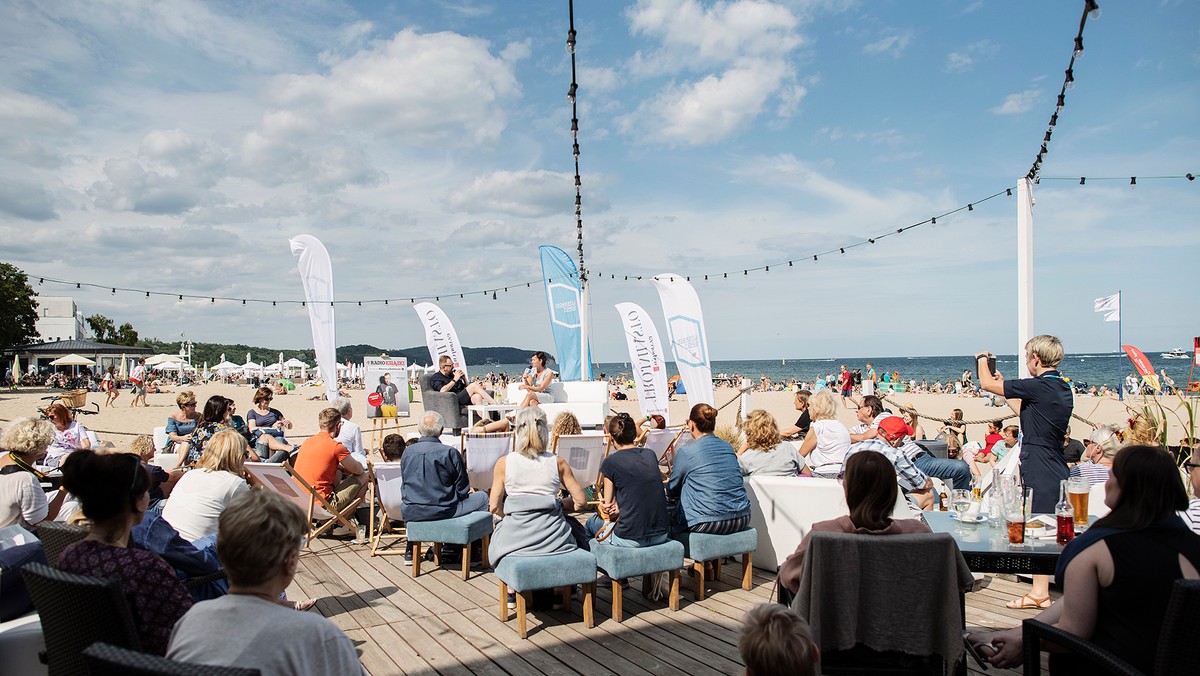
1195 351
1142 364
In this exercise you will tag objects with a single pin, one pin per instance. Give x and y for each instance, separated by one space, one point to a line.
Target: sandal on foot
1029 602
307 604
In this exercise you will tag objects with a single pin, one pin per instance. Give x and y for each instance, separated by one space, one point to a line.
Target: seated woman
112 489
707 481
69 435
182 423
1117 576
870 486
564 423
765 453
214 420
914 421
266 425
198 498
827 441
536 381
22 500
525 493
1098 455
632 493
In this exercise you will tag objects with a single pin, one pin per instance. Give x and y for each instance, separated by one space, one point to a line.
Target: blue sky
176 146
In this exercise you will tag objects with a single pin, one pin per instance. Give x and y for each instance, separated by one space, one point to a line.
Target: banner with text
316 275
386 380
685 332
647 360
440 336
563 298
1142 364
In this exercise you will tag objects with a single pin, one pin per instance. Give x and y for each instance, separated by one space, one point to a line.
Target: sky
175 147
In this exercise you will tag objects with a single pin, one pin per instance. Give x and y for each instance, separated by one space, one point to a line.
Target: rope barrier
948 421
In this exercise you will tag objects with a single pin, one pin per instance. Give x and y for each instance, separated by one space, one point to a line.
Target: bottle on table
1064 514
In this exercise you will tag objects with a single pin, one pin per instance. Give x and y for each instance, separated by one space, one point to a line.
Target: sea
1084 370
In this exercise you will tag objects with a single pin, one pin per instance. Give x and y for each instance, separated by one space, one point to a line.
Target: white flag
316 275
647 359
685 332
1111 305
440 337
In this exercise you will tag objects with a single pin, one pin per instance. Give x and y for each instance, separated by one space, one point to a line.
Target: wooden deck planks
439 624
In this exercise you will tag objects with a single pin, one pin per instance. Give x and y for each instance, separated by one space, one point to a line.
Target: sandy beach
118 425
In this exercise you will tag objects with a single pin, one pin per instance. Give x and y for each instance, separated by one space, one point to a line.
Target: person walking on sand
847 384
137 378
109 385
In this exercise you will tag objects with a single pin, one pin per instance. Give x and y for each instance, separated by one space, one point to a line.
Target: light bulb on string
1070 81
571 93
1092 9
1082 180
1078 54
571 41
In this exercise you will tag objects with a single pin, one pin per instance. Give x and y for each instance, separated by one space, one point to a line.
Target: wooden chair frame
316 500
377 531
525 599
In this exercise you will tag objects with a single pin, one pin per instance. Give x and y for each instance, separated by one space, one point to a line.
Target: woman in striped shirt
1099 451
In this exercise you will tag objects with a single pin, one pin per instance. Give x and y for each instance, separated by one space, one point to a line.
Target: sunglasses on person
1191 465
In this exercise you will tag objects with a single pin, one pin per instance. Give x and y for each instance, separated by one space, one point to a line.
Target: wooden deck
439 624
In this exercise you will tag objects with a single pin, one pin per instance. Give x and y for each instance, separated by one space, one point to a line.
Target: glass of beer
1015 520
1077 492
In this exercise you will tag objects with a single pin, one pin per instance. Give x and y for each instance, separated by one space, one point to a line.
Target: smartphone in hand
991 365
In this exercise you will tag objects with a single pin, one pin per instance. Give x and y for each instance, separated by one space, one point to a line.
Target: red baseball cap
894 427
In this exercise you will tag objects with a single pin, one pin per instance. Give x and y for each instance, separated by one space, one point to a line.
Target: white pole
584 358
1024 270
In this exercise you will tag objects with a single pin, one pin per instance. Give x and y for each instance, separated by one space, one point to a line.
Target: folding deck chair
386 498
283 480
480 451
583 453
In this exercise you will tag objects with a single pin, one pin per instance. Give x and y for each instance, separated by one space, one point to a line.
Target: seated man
892 432
351 433
450 379
436 485
393 448
258 542
319 459
871 412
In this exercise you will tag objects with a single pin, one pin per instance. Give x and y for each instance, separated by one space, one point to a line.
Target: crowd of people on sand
150 528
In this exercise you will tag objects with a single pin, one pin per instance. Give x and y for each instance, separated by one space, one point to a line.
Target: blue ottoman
462 530
702 547
625 562
527 573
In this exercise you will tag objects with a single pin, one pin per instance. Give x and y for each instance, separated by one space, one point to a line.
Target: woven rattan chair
77 611
57 536
108 660
1178 651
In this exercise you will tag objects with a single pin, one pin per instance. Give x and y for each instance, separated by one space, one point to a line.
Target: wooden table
987 550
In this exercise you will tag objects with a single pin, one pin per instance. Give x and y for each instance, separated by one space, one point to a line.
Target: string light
1090 8
573 99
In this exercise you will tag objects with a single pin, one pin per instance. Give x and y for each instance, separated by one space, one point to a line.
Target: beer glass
1078 489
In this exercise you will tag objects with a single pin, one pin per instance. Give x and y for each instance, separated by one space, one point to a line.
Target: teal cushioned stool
527 573
625 562
702 547
462 530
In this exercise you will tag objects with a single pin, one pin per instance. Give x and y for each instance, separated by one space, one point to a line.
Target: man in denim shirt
892 432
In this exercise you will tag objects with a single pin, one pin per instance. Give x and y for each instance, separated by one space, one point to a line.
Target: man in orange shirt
319 459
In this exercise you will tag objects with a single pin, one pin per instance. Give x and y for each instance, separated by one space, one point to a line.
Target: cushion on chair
526 573
457 531
623 562
706 547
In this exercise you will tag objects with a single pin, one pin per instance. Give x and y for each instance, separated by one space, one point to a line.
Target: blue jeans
945 469
595 523
475 502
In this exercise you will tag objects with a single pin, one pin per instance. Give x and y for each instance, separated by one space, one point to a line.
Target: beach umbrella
163 359
16 368
72 360
206 374
124 374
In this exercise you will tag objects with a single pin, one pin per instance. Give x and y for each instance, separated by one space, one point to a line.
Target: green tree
125 335
18 307
103 328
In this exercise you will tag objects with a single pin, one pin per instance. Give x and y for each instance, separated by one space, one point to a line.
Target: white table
783 510
480 411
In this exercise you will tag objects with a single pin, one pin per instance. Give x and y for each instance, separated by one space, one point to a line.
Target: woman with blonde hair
765 452
913 420
202 494
22 500
182 424
825 445
525 493
565 423
1098 453
69 435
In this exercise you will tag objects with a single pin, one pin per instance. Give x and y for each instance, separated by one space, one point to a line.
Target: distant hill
236 353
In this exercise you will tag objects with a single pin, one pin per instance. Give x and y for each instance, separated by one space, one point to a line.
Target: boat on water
1177 353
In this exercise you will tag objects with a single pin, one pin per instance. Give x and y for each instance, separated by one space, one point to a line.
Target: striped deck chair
281 479
480 451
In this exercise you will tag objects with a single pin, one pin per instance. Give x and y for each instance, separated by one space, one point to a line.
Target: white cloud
418 88
695 36
598 79
712 108
173 172
528 194
891 45
1015 104
32 129
963 60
